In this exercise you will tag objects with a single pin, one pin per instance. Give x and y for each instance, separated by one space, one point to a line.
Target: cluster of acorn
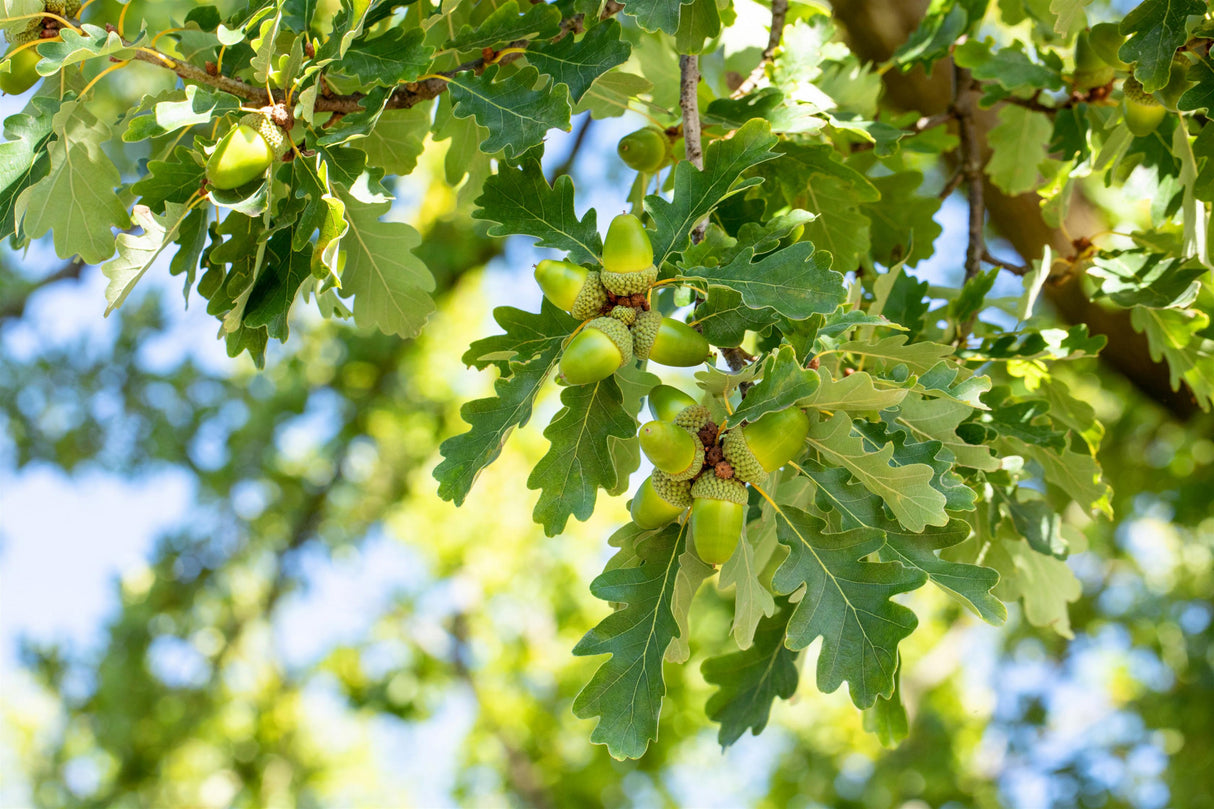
698 465
613 302
21 74
1097 63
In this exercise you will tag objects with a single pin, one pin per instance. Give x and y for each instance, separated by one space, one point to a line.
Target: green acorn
766 444
245 152
718 514
626 315
21 74
644 332
630 283
561 282
590 298
678 345
693 418
1143 112
660 500
1106 40
626 248
672 449
645 150
596 352
1178 82
666 402
1090 70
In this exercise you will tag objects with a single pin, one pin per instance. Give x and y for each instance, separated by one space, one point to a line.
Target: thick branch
779 12
965 102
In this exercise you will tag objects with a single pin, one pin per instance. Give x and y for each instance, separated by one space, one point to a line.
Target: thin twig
1015 269
689 80
15 307
567 164
965 104
779 12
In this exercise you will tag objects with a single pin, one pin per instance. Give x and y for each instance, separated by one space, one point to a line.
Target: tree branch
689 80
15 307
779 12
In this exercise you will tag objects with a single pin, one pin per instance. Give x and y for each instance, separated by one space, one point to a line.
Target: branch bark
779 13
875 29
689 80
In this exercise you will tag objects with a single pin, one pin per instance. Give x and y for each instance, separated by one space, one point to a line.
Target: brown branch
15 307
779 12
1015 269
689 80
567 164
965 103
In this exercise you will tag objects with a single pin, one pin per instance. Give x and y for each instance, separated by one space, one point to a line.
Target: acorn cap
746 466
693 418
678 345
596 352
672 449
626 315
561 281
273 134
590 298
711 487
675 492
644 332
630 283
626 248
665 401
1135 92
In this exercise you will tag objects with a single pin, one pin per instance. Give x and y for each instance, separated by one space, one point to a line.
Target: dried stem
779 11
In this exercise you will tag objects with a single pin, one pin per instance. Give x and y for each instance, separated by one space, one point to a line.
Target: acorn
645 150
1090 70
718 514
678 345
21 74
666 402
561 281
245 152
1143 112
628 257
766 444
660 500
596 352
590 299
672 449
645 332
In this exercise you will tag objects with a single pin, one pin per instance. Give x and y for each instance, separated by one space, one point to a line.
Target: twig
570 158
1015 269
689 79
922 125
15 307
779 11
965 104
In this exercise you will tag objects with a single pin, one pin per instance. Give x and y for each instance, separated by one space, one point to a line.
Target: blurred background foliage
318 629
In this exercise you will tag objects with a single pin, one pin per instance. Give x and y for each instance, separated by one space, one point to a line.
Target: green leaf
72 48
857 394
784 384
173 180
752 601
1010 67
724 319
1038 523
1201 95
958 496
390 285
137 253
697 192
931 418
506 24
903 226
906 490
941 27
1044 584
527 336
608 97
490 422
393 57
1155 29
749 681
1142 278
1173 334
699 22
1069 16
284 272
887 717
655 15
579 461
796 282
520 200
24 158
692 573
516 115
847 603
398 139
1018 146
200 106
75 201
626 692
578 63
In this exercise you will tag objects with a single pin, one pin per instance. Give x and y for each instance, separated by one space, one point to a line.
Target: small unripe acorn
678 345
1090 70
666 402
660 500
672 449
1143 112
596 352
590 298
718 514
626 248
766 444
245 152
561 281
645 150
1178 82
1106 39
21 75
